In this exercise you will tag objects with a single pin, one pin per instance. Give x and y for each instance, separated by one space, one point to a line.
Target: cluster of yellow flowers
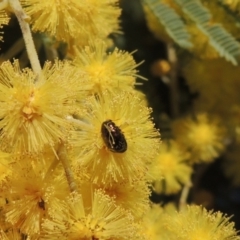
78 148
73 133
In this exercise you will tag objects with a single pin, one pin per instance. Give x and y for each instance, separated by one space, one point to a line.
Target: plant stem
63 157
184 196
27 35
174 96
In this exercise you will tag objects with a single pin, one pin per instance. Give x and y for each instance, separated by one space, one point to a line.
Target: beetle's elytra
113 137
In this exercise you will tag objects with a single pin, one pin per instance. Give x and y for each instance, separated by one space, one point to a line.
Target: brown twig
184 196
27 35
63 157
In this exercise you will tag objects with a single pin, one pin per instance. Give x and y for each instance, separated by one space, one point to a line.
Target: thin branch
184 196
63 157
27 35
173 75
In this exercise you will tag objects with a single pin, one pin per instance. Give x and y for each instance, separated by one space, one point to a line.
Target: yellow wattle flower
71 20
107 71
33 188
103 220
202 136
170 171
34 112
92 146
196 223
153 223
125 195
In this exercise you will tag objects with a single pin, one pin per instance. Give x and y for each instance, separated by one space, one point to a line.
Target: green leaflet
195 10
219 38
173 23
223 42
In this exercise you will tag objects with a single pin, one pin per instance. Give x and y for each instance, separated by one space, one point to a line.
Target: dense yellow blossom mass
127 112
80 157
73 20
104 220
34 113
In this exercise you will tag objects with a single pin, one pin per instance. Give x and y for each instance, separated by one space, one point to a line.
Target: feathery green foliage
219 38
173 23
195 10
223 42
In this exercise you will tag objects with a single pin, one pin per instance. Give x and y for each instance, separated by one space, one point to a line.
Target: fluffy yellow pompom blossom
107 71
104 220
153 224
133 197
117 139
170 170
202 136
73 19
196 223
33 188
33 112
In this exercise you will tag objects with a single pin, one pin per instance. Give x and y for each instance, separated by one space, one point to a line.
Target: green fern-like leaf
195 10
219 38
172 22
223 42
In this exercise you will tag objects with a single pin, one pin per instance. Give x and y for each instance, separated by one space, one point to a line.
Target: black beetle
113 137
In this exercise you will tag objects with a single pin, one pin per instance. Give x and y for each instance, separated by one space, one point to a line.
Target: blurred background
212 186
